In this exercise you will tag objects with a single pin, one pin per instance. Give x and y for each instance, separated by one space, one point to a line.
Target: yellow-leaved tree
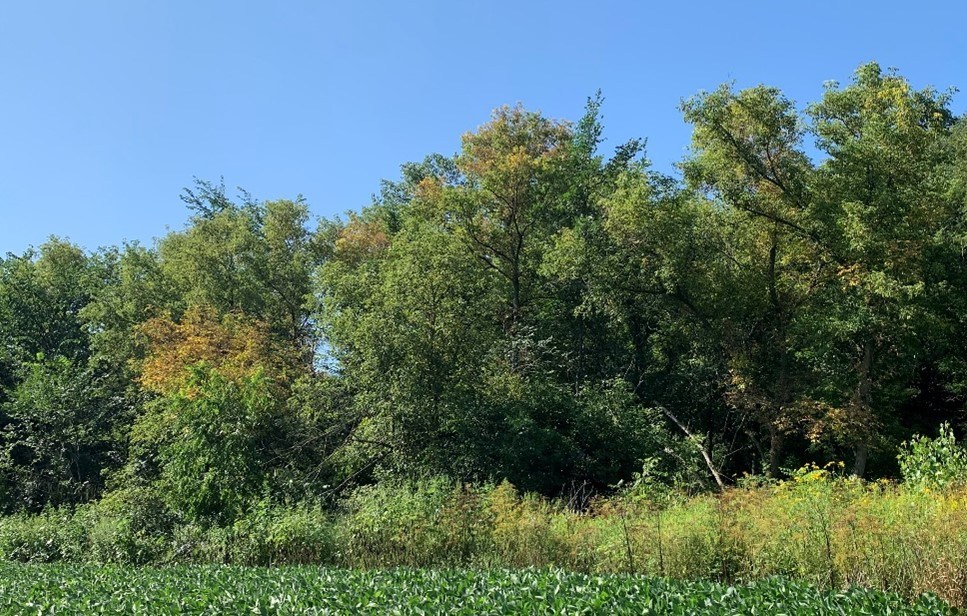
209 440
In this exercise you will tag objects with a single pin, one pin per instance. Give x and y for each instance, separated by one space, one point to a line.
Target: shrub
50 536
131 525
934 462
210 439
433 522
272 534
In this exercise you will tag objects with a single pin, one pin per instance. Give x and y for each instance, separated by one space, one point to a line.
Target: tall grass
828 530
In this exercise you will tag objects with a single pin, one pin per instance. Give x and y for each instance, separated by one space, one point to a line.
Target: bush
934 462
210 439
50 536
433 522
528 531
273 534
830 530
269 534
131 525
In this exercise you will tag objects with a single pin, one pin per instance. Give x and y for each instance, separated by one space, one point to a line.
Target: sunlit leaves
233 345
309 590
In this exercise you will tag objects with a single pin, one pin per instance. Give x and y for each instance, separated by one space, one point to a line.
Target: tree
64 431
645 261
463 349
884 190
213 441
255 258
62 412
511 202
233 345
41 297
409 324
747 156
216 431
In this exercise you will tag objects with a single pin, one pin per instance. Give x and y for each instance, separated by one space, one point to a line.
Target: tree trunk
775 451
863 405
862 452
783 391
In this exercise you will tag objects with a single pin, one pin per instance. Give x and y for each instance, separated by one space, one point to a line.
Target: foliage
434 522
212 443
821 527
130 525
934 462
531 310
64 429
302 590
267 534
232 345
51 536
42 294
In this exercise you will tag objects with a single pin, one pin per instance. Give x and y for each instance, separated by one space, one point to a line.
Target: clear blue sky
108 108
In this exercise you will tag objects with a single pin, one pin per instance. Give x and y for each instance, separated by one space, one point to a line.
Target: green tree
511 203
62 412
645 261
408 324
463 348
213 443
884 189
747 157
256 258
64 431
42 294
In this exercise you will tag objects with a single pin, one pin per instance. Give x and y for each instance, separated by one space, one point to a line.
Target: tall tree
254 257
65 430
747 156
64 414
885 195
511 203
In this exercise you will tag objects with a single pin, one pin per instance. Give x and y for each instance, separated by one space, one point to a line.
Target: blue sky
109 108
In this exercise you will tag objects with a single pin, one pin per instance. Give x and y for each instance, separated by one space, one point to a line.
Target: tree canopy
531 308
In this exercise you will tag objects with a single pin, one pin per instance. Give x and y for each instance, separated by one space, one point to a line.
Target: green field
71 589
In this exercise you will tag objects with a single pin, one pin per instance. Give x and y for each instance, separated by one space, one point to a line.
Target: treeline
527 310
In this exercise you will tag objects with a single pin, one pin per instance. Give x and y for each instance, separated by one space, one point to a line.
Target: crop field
69 589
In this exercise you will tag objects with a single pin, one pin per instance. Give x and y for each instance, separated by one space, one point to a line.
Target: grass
830 533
